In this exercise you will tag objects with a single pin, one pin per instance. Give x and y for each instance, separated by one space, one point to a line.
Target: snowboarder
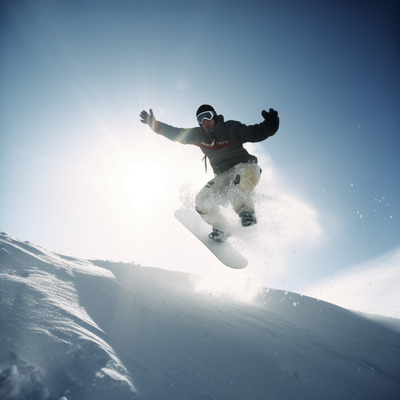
236 172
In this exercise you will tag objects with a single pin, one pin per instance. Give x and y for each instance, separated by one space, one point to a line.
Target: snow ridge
48 339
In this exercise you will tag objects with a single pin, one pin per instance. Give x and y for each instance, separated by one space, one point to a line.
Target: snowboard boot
218 235
248 218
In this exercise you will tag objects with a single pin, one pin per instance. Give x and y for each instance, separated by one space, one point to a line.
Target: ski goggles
208 115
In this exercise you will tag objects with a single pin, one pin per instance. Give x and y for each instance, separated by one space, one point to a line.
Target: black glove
148 119
271 119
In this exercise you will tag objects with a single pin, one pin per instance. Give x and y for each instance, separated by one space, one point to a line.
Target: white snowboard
223 251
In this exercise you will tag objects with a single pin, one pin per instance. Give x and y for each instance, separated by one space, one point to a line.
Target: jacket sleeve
249 133
181 135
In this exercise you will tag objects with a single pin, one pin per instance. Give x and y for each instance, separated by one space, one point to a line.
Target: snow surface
79 329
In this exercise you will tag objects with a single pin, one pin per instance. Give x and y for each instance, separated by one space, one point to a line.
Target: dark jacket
223 145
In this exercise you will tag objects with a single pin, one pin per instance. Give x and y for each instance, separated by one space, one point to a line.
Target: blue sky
80 174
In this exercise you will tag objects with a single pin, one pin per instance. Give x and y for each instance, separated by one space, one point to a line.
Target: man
236 171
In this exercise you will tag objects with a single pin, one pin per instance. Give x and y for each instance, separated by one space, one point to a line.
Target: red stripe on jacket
216 145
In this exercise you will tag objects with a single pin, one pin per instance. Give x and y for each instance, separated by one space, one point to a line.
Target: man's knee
206 199
249 177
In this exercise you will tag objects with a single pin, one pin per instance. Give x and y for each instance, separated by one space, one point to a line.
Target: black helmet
204 108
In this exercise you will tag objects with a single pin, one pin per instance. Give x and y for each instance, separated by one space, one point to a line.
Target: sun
144 184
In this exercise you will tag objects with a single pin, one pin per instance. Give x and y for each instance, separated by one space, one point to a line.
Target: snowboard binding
218 235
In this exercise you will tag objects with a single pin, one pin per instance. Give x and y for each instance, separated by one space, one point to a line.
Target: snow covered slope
78 329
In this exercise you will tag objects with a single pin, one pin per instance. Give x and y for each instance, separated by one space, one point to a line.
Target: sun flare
145 184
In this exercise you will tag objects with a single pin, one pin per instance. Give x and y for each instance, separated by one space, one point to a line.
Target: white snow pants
234 186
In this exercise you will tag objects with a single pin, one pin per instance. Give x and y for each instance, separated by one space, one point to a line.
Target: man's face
208 124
